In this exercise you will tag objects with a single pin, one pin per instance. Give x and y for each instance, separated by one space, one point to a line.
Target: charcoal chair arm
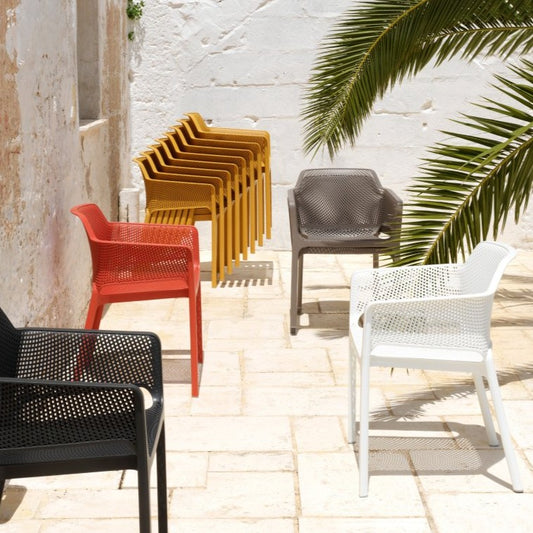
43 414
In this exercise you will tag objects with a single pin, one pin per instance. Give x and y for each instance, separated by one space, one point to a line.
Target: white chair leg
352 428
507 444
363 428
485 410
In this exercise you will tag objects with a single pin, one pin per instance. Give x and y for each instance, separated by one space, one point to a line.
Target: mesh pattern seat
72 401
135 261
432 317
338 211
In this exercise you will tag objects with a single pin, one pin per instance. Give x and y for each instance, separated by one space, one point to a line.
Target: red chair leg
94 314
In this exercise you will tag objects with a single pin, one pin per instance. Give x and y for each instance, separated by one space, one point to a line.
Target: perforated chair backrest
94 221
484 267
341 199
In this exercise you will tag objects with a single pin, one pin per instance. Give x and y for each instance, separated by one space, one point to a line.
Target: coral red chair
135 261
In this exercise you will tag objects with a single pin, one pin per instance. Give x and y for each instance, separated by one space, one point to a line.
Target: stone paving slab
264 448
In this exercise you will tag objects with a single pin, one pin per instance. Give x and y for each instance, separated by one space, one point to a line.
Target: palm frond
381 42
472 183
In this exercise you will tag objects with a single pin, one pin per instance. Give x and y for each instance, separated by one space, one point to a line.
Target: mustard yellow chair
159 168
231 142
242 158
186 199
166 152
200 128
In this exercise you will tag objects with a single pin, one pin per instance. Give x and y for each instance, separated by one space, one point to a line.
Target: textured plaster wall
47 163
244 64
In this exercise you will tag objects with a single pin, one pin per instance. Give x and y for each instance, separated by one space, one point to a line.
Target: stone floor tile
90 504
116 525
261 359
289 379
481 513
318 433
295 401
28 526
221 369
216 401
238 495
329 486
228 433
241 329
232 525
520 422
363 525
251 462
184 469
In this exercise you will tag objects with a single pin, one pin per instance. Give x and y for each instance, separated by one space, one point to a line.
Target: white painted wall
244 64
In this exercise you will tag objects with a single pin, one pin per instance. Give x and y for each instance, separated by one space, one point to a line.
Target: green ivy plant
134 10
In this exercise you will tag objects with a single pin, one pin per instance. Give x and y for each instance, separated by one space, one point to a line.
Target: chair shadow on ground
328 318
248 273
11 500
177 367
453 453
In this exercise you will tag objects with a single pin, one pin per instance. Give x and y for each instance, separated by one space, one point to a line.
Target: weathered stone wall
245 64
47 162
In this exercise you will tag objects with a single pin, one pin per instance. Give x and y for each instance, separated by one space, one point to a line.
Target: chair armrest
127 358
392 211
45 414
293 216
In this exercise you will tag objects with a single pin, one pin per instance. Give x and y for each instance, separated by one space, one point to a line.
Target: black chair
338 211
74 401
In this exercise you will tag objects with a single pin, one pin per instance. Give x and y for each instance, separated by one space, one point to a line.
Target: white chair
433 317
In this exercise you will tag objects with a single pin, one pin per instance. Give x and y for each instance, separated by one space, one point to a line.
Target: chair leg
352 428
162 503
199 335
193 333
94 314
295 281
2 486
485 410
143 487
300 278
375 260
364 427
505 434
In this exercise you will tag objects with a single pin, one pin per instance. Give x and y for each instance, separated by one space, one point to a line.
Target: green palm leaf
381 42
473 182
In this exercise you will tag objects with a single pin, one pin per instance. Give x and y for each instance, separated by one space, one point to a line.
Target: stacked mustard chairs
195 172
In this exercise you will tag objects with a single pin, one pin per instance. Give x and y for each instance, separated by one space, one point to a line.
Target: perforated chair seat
338 211
72 401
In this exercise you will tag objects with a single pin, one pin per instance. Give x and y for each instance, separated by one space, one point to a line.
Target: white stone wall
245 64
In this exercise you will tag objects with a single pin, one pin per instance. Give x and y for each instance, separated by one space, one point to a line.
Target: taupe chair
338 211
